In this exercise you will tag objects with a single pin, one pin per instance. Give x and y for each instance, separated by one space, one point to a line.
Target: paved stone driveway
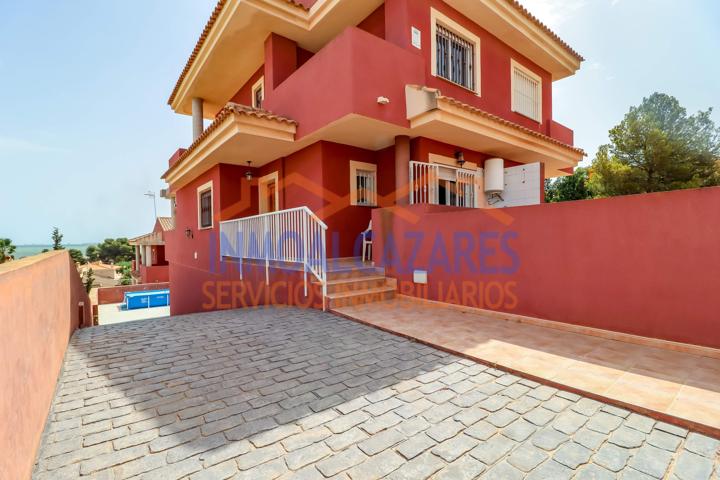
285 393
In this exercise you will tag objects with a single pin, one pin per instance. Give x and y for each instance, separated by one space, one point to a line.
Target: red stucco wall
375 22
154 274
377 59
195 290
495 59
346 77
38 314
642 264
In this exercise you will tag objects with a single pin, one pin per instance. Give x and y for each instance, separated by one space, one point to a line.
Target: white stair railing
295 235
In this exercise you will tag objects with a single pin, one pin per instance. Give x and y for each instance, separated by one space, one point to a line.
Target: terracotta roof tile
502 121
203 36
166 223
518 6
228 110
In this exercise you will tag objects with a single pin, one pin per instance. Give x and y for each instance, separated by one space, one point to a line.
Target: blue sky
85 130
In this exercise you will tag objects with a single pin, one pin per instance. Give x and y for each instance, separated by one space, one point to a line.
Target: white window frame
514 65
263 182
259 85
200 190
368 167
437 18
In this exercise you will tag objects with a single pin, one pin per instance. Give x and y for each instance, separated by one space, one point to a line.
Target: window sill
474 92
206 228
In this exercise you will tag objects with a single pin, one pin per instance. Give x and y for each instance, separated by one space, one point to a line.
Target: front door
268 191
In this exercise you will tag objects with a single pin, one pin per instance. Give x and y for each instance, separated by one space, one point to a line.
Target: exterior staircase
352 282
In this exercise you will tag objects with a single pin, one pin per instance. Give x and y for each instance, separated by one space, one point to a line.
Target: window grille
455 58
366 187
206 209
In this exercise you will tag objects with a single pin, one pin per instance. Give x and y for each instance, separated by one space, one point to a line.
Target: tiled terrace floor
681 385
285 393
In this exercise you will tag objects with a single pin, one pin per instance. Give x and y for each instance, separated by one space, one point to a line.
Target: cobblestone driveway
285 393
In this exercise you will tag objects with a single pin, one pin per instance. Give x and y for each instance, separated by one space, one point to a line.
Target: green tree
7 250
572 187
127 278
115 250
57 239
658 147
91 253
89 279
77 256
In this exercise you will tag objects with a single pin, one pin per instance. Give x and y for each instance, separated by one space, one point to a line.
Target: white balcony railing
295 236
443 185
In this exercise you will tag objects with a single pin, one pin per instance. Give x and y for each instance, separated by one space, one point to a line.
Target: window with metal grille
526 88
366 187
455 58
206 209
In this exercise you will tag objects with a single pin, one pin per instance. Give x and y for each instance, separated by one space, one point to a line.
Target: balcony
342 82
332 97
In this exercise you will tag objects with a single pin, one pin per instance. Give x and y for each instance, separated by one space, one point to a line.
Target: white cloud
554 13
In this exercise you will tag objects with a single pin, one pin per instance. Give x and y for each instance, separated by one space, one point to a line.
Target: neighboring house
346 105
150 263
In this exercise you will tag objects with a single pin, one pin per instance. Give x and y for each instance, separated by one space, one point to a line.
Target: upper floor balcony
354 91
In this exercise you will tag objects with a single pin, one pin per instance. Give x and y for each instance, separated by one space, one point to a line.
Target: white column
148 256
197 117
137 257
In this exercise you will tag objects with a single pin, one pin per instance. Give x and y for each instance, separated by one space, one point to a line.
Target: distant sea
29 250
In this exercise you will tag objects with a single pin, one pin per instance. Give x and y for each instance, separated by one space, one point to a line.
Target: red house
308 114
150 262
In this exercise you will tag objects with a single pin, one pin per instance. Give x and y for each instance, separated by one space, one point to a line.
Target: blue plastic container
148 299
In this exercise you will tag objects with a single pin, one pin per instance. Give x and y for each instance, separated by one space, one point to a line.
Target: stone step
355 272
350 284
357 297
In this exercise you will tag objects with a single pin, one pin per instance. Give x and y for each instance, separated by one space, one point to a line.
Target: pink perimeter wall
642 264
39 311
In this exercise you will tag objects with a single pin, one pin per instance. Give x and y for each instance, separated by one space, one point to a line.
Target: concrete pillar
137 257
197 117
148 256
402 169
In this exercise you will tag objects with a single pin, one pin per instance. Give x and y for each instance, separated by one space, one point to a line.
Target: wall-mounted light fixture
460 157
248 174
383 100
188 233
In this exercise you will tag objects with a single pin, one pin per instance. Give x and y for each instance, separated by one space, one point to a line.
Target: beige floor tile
644 390
697 404
662 380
